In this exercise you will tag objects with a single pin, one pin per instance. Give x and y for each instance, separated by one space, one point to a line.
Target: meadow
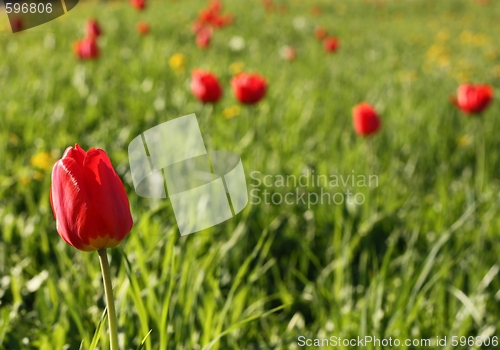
418 259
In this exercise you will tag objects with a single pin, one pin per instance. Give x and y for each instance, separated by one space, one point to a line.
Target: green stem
110 301
480 155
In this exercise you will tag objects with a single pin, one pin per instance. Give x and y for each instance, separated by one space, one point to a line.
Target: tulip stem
110 301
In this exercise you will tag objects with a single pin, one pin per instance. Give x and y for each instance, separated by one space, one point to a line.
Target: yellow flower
443 35
466 37
177 62
42 160
480 40
464 141
231 112
408 76
13 139
37 176
236 67
24 180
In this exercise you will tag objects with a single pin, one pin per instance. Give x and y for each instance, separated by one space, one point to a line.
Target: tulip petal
107 195
77 153
69 202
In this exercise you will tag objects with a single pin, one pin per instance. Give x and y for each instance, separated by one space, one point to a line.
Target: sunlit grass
418 260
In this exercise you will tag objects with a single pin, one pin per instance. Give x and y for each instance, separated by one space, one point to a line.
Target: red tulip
205 86
331 44
473 99
215 6
138 4
92 28
320 33
142 28
86 49
88 199
197 26
365 119
204 37
249 88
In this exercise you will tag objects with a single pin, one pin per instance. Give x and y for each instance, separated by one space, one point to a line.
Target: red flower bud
88 199
365 119
331 44
473 99
249 88
320 33
86 49
138 4
92 28
142 28
205 86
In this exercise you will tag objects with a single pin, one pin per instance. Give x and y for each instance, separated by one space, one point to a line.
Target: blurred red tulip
365 119
138 4
86 49
268 5
142 28
331 44
211 17
205 86
196 27
207 16
473 99
92 28
249 88
288 53
204 37
215 6
320 33
88 199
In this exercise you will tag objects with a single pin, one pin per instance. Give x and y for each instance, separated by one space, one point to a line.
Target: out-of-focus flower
197 26
231 112
249 88
464 141
320 33
299 23
42 160
496 71
236 68
204 37
288 53
92 28
142 28
365 119
86 49
473 99
268 5
205 86
316 10
236 43
89 201
211 16
177 62
138 4
331 44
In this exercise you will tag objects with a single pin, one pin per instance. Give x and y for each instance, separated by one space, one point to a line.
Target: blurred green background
418 259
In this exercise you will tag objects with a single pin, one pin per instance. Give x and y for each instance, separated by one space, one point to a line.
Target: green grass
418 260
